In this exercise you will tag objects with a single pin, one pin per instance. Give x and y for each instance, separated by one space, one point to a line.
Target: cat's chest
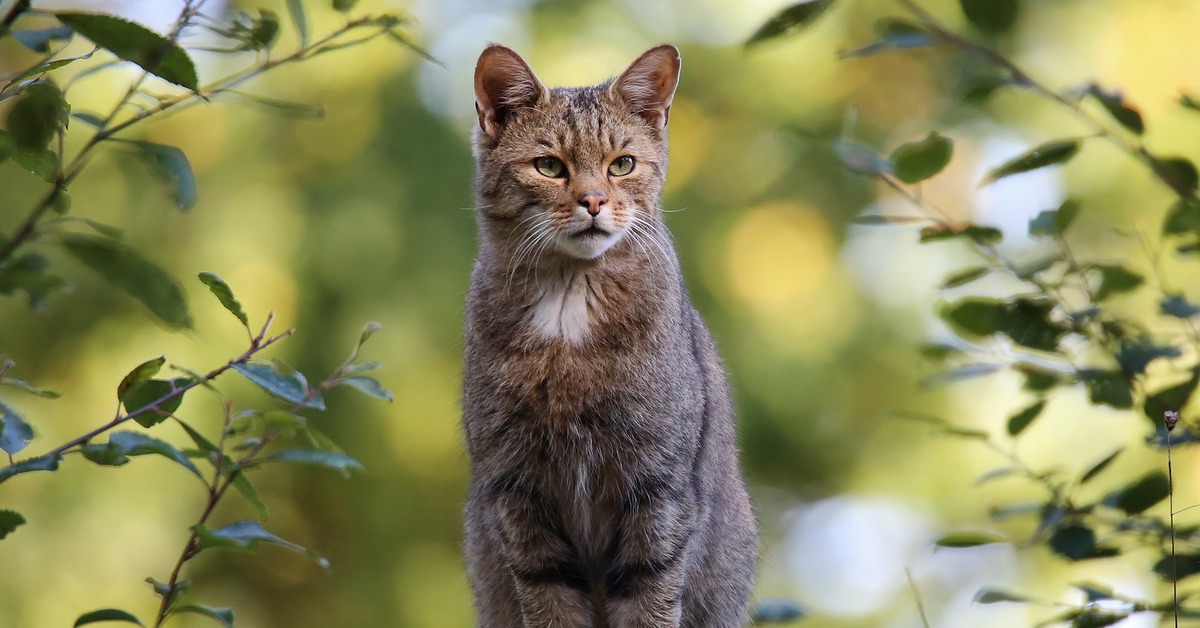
565 308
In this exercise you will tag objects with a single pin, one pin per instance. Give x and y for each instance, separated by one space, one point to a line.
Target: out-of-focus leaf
121 445
222 615
992 596
107 614
290 109
991 16
1073 542
43 68
938 352
15 433
977 233
1023 419
345 6
229 469
299 20
10 520
329 459
964 277
41 463
1178 306
1054 222
1026 321
366 385
171 165
42 163
1189 102
38 40
860 158
1171 399
137 44
1115 280
917 161
137 276
777 611
966 371
44 393
37 116
1180 173
91 119
1110 388
790 19
1121 111
264 30
29 273
1135 355
292 387
976 90
143 372
1049 154
1097 468
881 219
995 474
1178 567
894 34
969 539
1139 496
146 394
1028 271
246 535
1183 217
224 294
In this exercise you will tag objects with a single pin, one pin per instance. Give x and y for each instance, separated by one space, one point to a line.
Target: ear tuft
503 82
648 85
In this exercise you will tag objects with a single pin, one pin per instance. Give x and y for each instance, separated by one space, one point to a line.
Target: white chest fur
565 308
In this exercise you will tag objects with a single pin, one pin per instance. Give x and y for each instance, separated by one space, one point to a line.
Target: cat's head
571 170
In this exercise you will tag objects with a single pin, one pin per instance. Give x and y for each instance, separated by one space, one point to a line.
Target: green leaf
1121 111
969 539
1054 222
91 119
1189 102
171 165
1178 567
37 116
229 469
1140 495
43 163
292 387
777 611
1049 154
1097 468
991 16
284 107
123 444
1038 379
1026 321
881 219
225 295
43 68
299 20
246 535
15 433
107 614
995 474
345 6
1171 399
29 273
992 596
966 371
366 385
860 158
976 233
894 34
1115 280
964 277
264 30
790 19
1110 388
47 462
1135 355
1021 420
143 372
137 276
137 44
222 615
38 40
329 459
1073 542
10 520
1179 172
142 399
917 161
1183 217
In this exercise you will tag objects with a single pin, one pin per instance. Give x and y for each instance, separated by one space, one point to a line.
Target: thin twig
912 585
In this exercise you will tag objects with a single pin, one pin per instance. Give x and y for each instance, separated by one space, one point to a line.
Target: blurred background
367 214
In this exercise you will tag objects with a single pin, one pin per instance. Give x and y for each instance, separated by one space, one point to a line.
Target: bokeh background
366 214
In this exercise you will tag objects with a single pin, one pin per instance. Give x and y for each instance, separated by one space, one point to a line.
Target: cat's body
606 489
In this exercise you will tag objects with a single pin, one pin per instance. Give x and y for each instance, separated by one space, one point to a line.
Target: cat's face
571 171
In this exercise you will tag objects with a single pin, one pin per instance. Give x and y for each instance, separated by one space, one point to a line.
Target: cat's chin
586 245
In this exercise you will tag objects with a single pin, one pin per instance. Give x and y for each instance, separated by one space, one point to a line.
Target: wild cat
606 487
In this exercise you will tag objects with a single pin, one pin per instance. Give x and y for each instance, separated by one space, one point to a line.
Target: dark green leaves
1073 542
777 612
1178 567
137 44
1049 154
43 162
965 276
246 535
1135 355
15 433
344 6
225 295
1026 321
170 164
107 614
37 116
1178 172
977 233
366 385
1110 388
29 273
1099 467
10 520
121 445
1054 222
329 459
1183 217
1115 280
992 596
991 16
141 373
1142 494
1120 110
222 615
1023 419
282 382
791 19
917 161
960 540
48 462
1173 398
126 269
299 20
894 34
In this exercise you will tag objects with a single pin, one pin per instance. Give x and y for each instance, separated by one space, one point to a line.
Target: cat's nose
591 201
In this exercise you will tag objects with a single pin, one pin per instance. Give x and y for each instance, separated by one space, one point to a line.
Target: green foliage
790 19
916 161
1048 154
137 44
10 520
107 614
137 276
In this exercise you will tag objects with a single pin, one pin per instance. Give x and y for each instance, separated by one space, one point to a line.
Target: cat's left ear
503 83
648 85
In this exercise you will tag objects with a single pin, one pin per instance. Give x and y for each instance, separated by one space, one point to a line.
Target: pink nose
592 201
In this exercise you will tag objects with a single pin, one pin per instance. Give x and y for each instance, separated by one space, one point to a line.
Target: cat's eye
621 166
552 167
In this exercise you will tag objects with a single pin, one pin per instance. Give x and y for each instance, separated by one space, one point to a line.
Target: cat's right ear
503 83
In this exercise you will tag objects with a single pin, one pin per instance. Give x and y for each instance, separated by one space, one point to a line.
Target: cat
606 488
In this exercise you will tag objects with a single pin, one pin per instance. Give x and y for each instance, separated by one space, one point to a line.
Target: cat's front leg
644 584
547 571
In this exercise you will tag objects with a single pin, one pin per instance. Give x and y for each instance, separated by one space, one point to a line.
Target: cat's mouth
590 232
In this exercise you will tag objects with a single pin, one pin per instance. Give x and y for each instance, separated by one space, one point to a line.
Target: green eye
621 166
552 167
